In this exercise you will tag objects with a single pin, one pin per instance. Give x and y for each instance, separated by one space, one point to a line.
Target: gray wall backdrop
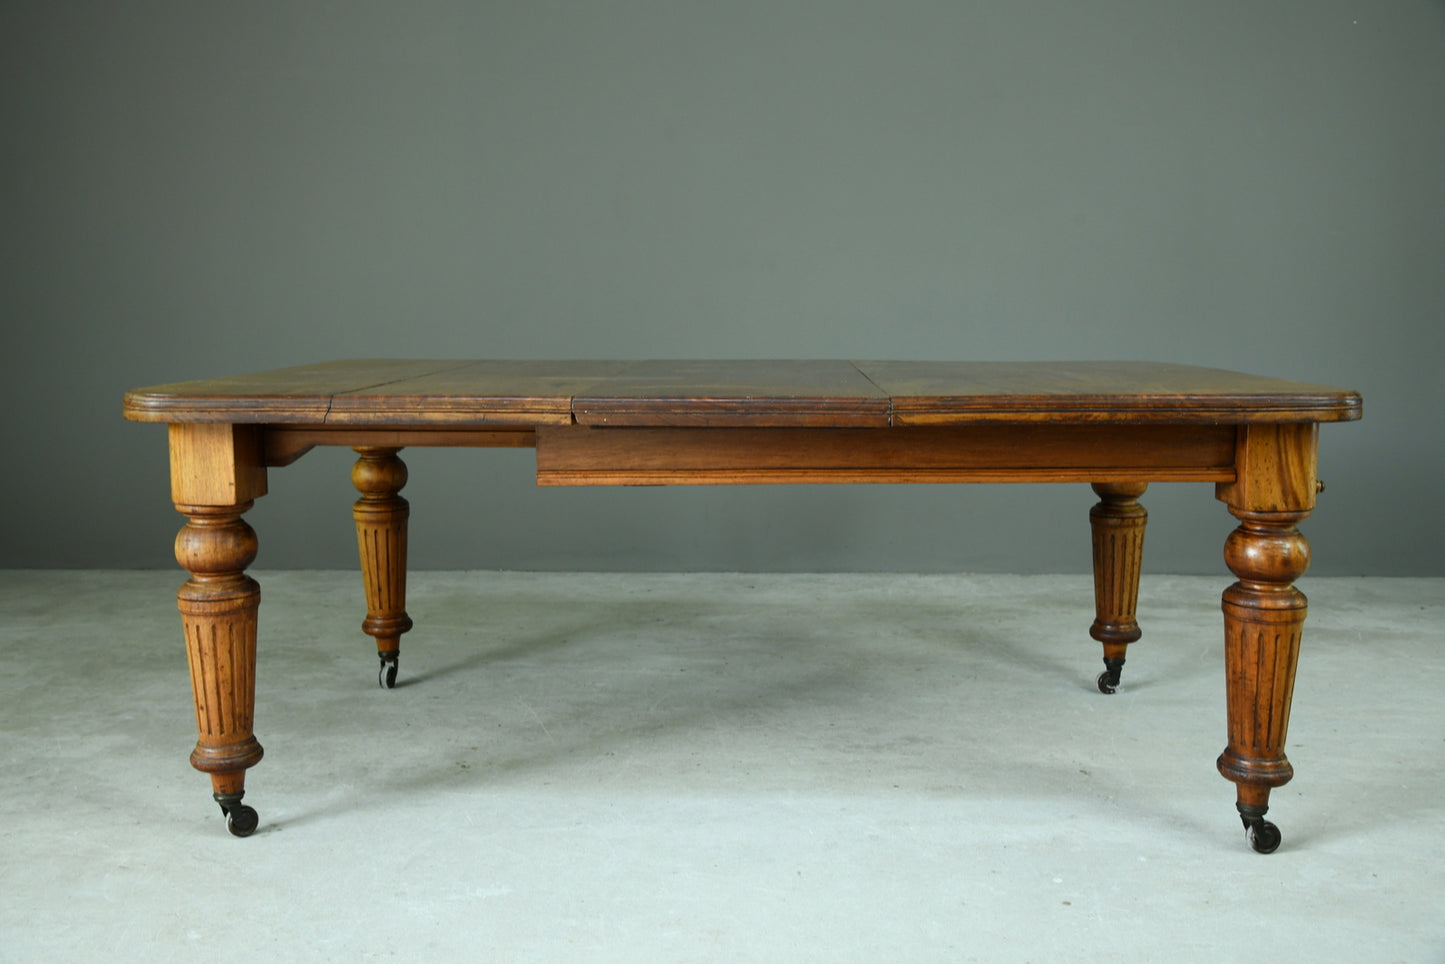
196 189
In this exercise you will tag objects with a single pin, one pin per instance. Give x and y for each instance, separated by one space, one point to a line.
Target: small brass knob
1319 485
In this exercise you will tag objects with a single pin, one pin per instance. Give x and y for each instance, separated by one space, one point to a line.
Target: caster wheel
242 821
1264 837
386 676
1109 679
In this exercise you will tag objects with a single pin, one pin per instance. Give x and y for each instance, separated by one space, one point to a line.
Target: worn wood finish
381 516
478 394
946 392
300 395
775 393
1115 425
715 394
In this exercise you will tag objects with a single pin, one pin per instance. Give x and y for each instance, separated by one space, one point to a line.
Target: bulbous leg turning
218 607
1263 619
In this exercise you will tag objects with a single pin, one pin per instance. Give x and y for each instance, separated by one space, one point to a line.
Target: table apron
580 455
285 444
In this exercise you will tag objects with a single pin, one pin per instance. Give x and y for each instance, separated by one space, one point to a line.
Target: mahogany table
1115 425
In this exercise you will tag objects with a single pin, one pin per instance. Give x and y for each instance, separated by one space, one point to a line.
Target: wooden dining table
1116 426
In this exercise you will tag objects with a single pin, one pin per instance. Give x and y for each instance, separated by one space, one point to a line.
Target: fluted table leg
218 607
1264 613
381 516
1264 616
1117 523
216 473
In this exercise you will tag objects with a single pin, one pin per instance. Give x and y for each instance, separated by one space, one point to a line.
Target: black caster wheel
242 821
386 676
1263 836
1109 679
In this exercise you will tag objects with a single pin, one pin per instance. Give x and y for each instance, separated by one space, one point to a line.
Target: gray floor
716 768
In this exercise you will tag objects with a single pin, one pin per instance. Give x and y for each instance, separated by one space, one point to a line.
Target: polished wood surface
1115 425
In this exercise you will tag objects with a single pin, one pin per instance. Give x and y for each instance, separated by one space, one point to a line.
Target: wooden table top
774 393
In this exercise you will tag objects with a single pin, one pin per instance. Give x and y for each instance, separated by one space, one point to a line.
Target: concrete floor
716 768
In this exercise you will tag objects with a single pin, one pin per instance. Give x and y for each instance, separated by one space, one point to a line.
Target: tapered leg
1263 617
381 517
1117 522
218 614
1264 613
217 472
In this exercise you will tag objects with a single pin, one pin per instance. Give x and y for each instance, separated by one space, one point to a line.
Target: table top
808 393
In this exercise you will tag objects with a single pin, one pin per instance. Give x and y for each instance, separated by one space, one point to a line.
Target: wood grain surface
759 393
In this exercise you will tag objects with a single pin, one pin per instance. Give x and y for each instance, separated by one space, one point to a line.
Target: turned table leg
218 615
1264 613
381 517
1117 523
216 473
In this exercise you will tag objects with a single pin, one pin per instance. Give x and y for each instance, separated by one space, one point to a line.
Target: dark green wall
194 189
